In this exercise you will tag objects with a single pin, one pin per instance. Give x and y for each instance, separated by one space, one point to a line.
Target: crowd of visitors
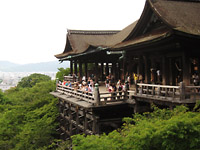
111 85
84 85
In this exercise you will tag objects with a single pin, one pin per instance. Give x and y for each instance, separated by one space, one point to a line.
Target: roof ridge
93 32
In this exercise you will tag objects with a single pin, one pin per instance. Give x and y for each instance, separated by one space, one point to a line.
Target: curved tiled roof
179 15
174 15
79 41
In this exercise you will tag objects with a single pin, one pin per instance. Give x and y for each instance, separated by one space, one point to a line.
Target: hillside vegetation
160 130
28 116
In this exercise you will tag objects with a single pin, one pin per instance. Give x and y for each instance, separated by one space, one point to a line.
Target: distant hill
6 64
51 66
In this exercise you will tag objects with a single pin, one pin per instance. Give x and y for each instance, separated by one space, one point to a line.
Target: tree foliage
161 130
31 80
29 120
61 73
3 99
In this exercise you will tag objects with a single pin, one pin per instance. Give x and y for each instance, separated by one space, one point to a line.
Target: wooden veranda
98 112
158 55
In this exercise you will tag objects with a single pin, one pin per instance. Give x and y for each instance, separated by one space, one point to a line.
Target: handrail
88 97
192 87
95 98
160 91
181 92
158 85
152 91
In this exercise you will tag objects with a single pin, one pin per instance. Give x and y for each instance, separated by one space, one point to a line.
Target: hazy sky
34 31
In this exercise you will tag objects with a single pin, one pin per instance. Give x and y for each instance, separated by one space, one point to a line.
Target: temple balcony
143 92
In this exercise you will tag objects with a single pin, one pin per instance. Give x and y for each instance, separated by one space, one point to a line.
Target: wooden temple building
162 47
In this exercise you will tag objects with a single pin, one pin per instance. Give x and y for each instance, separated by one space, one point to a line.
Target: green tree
30 121
61 73
177 129
31 80
3 99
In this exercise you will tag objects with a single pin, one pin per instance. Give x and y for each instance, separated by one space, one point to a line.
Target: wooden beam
70 121
86 73
75 67
165 71
80 71
140 69
96 72
119 70
77 120
186 69
102 72
85 120
114 72
107 69
147 69
71 67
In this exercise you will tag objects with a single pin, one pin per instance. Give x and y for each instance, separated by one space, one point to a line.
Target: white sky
34 31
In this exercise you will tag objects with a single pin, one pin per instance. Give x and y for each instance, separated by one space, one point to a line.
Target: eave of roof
178 15
144 39
174 14
79 41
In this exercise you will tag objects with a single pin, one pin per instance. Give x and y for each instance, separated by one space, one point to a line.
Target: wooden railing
159 91
181 92
71 78
70 91
95 98
192 92
152 91
108 97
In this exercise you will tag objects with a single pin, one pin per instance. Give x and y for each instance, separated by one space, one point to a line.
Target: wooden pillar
96 95
75 67
77 120
119 70
147 70
86 73
102 72
85 121
71 67
107 69
70 120
140 69
114 70
95 126
153 71
124 68
170 71
182 90
96 72
80 71
94 123
172 77
186 69
165 71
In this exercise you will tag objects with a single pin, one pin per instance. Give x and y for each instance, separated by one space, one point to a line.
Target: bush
29 122
31 80
160 130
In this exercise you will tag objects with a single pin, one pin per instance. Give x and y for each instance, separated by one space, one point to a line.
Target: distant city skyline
11 79
34 31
